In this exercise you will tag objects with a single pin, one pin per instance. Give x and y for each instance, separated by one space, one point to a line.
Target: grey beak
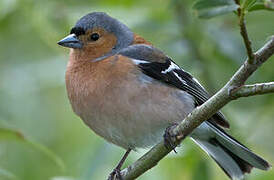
71 41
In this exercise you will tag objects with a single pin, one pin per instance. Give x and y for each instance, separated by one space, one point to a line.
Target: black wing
156 64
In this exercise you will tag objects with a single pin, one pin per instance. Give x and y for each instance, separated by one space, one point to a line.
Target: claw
115 175
169 138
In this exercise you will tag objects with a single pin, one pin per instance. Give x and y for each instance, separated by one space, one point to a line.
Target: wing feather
157 65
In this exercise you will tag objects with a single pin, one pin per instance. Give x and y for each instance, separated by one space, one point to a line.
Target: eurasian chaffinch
128 92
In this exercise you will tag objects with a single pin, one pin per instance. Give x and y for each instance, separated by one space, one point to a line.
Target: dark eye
94 36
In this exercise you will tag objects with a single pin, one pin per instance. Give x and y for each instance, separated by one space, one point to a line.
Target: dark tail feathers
233 157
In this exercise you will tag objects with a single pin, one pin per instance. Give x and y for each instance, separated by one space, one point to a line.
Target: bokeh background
42 139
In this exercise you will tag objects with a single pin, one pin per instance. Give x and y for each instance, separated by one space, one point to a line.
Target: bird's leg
169 138
117 170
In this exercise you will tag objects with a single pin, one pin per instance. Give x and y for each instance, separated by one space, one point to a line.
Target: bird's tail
234 158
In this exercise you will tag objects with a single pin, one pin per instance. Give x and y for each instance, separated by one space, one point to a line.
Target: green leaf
211 8
10 134
248 3
256 7
266 5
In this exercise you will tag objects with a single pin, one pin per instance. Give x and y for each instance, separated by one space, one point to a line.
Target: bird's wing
157 65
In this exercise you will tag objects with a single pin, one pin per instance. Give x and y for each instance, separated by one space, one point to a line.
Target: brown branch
201 113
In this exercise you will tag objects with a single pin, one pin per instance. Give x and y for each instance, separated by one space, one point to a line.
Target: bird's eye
94 36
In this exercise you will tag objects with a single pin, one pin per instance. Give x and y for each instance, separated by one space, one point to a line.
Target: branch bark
233 89
254 89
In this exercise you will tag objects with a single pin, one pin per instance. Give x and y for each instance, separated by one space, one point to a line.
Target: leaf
10 134
248 3
211 8
256 7
266 5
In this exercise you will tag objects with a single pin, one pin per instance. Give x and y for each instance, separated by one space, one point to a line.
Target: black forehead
77 31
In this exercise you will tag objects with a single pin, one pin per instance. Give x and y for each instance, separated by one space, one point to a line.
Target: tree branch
254 89
205 111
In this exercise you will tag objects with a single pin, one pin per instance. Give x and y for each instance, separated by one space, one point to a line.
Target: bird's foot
115 175
169 138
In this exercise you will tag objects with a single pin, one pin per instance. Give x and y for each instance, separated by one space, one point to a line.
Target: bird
129 92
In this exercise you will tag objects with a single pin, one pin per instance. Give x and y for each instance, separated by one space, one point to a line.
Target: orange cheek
101 47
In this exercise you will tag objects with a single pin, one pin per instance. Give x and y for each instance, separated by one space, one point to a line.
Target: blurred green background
42 139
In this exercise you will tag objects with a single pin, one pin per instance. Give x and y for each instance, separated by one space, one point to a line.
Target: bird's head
97 35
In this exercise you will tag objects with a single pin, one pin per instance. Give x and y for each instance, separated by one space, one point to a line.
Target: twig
247 42
201 113
254 89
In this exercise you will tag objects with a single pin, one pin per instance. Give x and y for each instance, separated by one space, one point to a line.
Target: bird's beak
71 41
